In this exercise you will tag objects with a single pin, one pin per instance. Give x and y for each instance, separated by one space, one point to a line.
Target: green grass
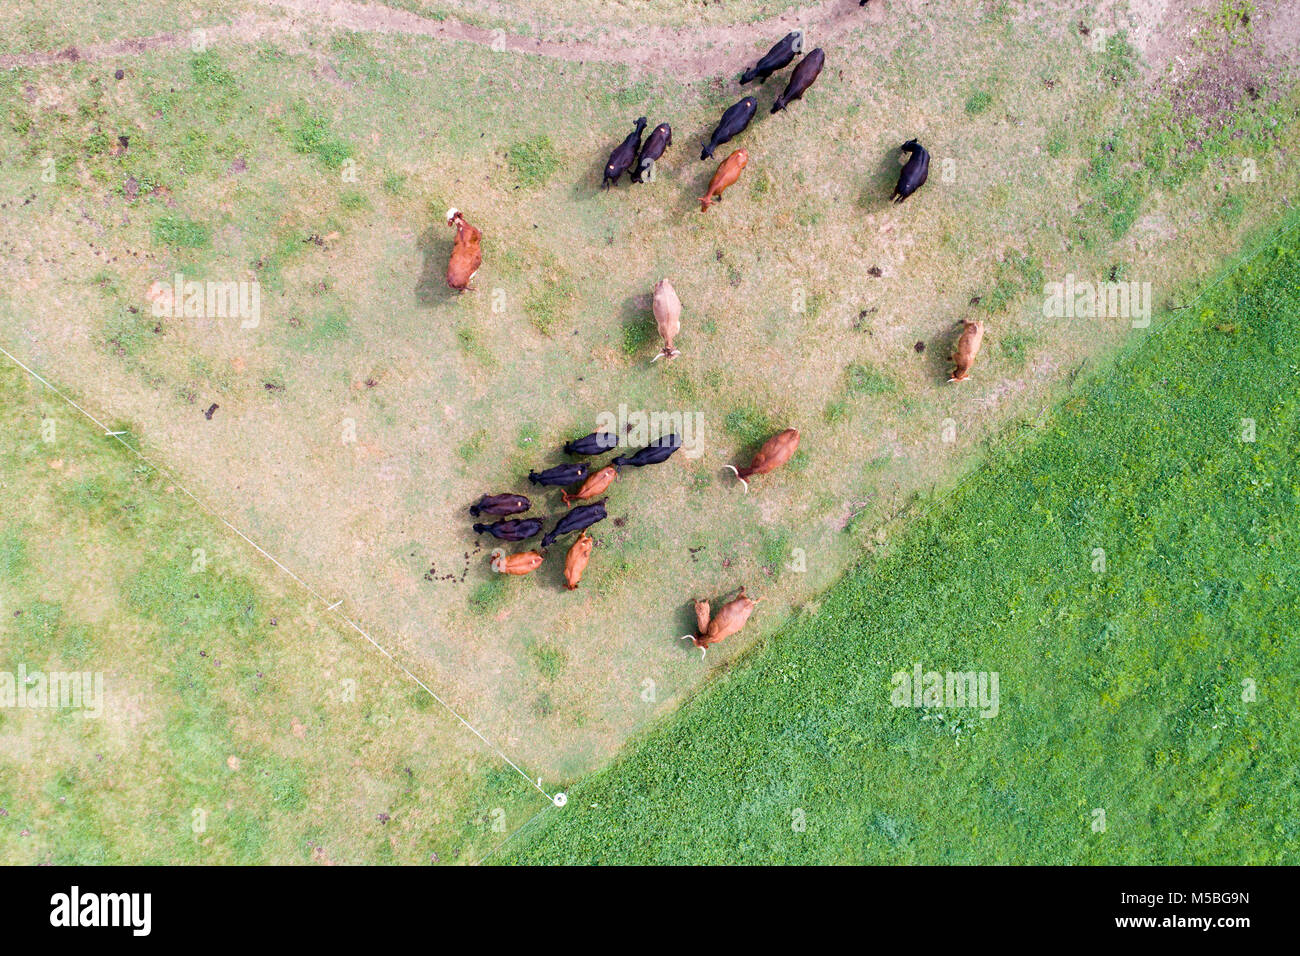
314 136
979 102
224 703
533 161
243 142
1123 688
178 231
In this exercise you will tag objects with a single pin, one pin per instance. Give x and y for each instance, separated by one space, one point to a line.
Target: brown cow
594 485
668 316
576 561
525 562
466 254
776 451
726 175
968 346
731 617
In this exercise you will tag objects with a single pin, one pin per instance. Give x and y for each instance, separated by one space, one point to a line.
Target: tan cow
668 316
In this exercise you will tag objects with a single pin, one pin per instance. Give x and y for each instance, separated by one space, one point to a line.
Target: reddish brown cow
525 562
594 485
731 617
776 451
968 346
466 254
726 175
576 561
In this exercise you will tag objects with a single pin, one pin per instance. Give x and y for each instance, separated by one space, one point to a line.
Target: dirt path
687 53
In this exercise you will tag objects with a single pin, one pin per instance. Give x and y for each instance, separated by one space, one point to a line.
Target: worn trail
688 53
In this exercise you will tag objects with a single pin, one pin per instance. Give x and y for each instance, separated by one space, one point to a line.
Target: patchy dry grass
239 724
1128 578
370 405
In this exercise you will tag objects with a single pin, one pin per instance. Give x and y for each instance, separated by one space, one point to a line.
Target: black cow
659 139
733 123
624 155
803 76
500 505
560 475
652 454
583 516
516 529
597 443
775 59
915 171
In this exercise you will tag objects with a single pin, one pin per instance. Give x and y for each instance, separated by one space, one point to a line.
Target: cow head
452 215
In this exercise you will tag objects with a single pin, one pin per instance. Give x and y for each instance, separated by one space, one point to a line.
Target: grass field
238 724
1158 687
312 148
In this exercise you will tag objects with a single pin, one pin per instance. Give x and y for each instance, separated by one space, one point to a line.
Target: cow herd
637 160
580 518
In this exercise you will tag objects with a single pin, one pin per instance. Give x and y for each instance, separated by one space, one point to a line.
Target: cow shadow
685 623
879 188
435 245
697 185
939 348
636 320
589 184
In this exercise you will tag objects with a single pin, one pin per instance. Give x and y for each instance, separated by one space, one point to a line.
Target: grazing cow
733 123
516 529
776 451
660 138
525 562
576 560
726 175
598 482
668 315
731 617
775 59
809 68
968 346
583 516
500 505
624 155
597 443
915 171
652 454
560 475
466 252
